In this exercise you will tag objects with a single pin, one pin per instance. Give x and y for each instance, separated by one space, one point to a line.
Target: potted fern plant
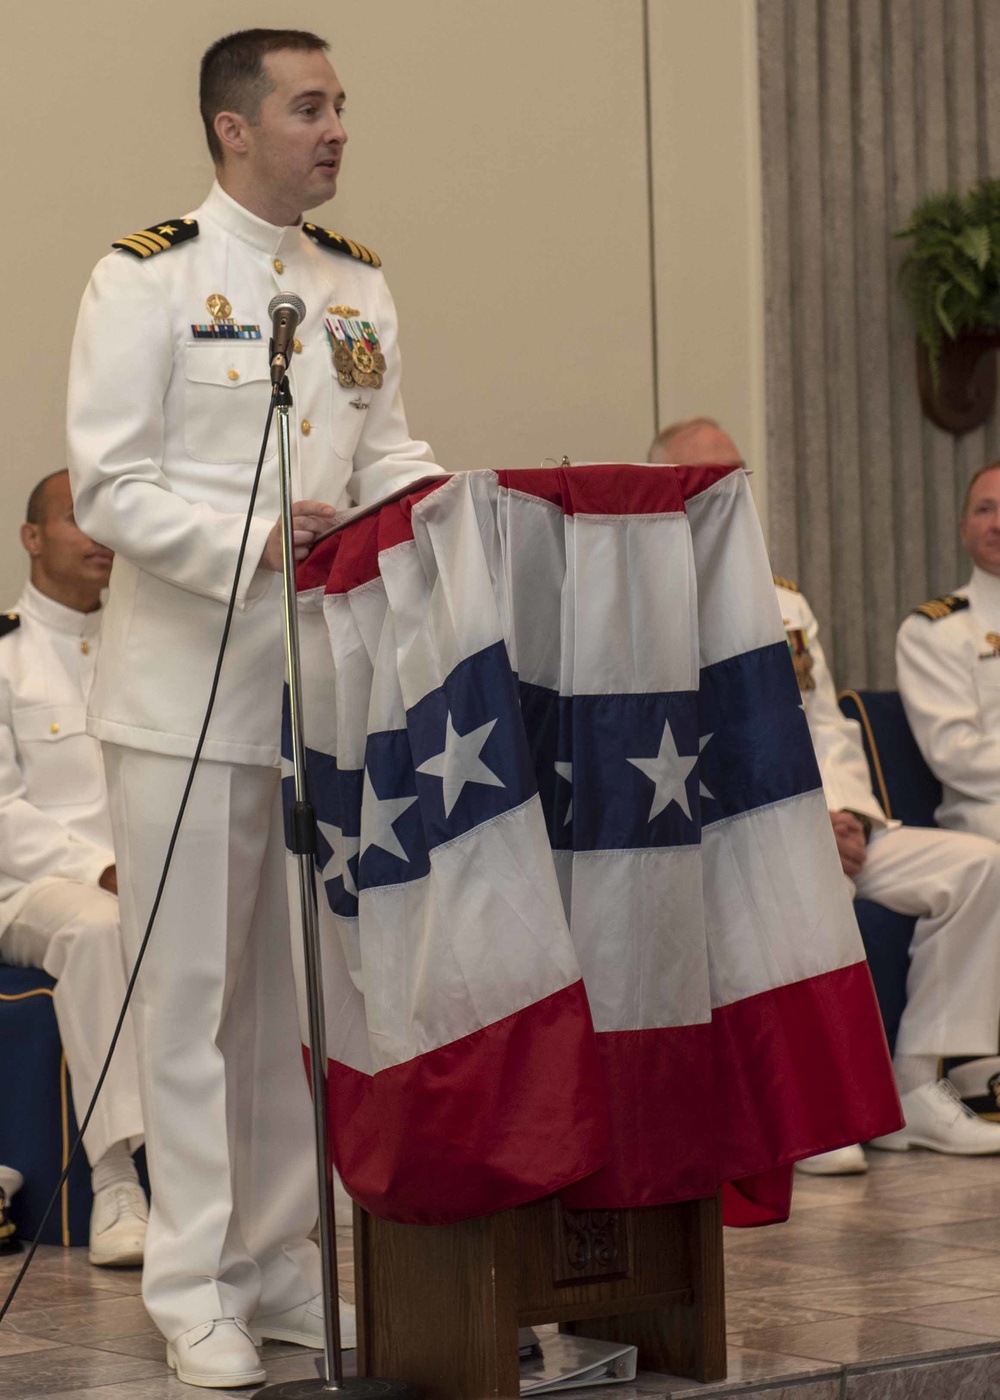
951 280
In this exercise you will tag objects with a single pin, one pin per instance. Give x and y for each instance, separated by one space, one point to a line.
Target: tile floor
879 1287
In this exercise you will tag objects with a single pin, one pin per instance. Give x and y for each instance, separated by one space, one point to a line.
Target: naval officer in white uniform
948 671
948 882
58 905
167 398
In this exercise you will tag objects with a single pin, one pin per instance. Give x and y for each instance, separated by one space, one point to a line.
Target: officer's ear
231 129
31 538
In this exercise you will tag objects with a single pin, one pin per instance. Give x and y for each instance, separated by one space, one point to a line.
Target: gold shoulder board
938 608
788 583
337 243
158 239
9 622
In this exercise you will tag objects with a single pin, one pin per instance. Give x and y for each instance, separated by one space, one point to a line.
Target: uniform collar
985 587
57 615
271 239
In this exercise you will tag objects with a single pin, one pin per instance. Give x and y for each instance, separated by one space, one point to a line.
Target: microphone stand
303 844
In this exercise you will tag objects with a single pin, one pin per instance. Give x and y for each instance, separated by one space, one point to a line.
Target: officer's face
980 525
58 546
296 145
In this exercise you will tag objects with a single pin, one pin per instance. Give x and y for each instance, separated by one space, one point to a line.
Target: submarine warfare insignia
992 640
357 355
223 326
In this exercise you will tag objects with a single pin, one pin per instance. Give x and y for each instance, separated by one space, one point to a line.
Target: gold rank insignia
159 238
938 608
357 355
337 243
786 583
798 646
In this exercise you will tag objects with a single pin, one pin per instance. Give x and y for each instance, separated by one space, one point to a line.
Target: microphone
286 310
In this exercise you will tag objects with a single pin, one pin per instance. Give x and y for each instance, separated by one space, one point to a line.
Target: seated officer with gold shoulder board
948 671
58 885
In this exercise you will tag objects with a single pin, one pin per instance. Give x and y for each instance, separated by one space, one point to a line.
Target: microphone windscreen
289 299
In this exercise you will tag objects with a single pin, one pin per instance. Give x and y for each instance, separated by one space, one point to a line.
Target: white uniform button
234 374
307 427
53 728
297 346
279 266
85 648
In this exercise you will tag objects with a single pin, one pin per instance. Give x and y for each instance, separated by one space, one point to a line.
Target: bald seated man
949 883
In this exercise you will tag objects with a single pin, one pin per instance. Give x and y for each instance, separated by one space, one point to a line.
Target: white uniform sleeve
936 683
839 751
33 844
120 369
386 457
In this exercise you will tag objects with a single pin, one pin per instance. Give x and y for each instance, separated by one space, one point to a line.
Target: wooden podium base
440 1305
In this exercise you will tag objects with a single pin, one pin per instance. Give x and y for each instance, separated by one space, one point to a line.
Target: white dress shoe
216 1354
118 1226
842 1161
937 1118
304 1325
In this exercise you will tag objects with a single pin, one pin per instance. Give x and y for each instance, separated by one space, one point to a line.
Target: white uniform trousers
71 931
951 883
229 1138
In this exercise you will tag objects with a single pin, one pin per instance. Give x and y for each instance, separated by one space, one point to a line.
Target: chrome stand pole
303 844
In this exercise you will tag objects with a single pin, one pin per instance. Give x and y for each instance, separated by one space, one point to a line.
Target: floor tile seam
988 1344
762 1387
860 1368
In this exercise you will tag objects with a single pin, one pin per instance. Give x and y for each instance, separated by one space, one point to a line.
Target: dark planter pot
966 389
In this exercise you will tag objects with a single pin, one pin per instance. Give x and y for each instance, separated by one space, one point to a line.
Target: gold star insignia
166 228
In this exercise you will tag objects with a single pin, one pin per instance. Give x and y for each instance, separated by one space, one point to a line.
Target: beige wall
497 162
707 219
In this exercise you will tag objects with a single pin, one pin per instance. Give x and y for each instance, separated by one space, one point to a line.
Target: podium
584 927
441 1304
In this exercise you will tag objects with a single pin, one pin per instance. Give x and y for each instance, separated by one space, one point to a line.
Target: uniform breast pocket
60 761
988 687
349 409
226 393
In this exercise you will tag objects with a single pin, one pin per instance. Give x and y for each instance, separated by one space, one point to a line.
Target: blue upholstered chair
37 1122
908 791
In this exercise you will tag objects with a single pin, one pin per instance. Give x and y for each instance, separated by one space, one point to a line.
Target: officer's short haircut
990 467
35 514
233 78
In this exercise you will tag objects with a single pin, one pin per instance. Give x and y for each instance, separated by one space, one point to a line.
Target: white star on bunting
459 763
377 817
669 771
565 771
344 848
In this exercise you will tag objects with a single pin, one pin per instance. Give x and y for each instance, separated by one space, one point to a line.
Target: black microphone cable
213 692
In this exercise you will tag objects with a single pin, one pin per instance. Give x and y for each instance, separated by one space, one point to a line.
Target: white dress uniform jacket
165 423
836 739
54 819
948 671
948 882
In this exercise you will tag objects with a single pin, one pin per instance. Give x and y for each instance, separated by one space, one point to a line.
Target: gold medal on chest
357 355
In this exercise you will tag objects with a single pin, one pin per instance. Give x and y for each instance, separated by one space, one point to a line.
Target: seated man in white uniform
948 671
58 887
950 883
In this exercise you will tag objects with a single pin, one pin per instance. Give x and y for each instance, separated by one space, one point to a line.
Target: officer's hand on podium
109 880
309 519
